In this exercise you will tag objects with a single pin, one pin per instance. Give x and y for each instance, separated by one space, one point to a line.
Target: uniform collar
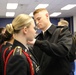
47 28
17 43
52 29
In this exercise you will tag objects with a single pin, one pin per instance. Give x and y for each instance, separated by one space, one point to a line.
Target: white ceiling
27 6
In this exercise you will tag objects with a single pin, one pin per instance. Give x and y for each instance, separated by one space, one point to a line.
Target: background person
2 30
63 23
7 41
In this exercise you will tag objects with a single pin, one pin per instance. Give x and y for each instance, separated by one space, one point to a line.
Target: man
51 46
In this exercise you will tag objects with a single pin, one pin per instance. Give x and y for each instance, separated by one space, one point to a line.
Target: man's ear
25 30
47 15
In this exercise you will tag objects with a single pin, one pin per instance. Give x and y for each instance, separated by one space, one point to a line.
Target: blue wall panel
4 21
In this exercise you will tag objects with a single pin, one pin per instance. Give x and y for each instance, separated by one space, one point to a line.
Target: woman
23 29
6 42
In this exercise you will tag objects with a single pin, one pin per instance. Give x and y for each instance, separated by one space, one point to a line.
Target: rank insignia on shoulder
10 47
25 50
17 50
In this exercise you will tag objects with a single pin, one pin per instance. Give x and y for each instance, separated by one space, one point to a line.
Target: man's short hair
38 10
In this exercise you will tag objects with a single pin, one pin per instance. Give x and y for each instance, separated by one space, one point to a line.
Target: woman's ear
25 30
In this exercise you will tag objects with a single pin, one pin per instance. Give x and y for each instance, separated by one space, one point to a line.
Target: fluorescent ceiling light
42 6
68 7
55 14
31 14
12 5
10 14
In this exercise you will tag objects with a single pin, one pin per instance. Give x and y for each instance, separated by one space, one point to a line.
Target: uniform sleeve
17 66
59 49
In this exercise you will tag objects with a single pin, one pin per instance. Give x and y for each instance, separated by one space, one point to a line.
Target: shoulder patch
17 50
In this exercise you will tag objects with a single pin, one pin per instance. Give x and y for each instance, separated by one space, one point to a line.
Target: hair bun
9 28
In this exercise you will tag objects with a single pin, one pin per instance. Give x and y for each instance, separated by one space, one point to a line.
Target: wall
69 19
4 21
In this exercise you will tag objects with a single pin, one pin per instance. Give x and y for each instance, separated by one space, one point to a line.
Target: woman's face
31 32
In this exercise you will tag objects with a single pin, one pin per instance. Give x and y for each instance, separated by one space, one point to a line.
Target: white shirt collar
47 28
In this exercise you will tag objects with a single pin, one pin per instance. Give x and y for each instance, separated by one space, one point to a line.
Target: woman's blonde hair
9 28
8 35
19 22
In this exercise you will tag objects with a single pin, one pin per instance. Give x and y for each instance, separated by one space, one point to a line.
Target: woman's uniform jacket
18 64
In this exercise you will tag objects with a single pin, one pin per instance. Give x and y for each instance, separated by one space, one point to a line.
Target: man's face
40 19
